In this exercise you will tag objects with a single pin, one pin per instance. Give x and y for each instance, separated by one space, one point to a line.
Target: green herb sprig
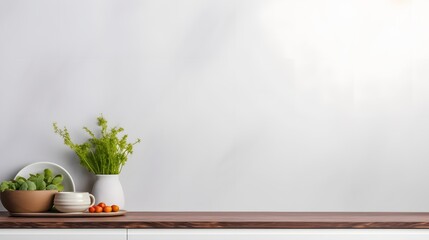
104 155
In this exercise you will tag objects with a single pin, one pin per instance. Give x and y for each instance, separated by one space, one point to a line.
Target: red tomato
115 208
107 209
91 209
98 209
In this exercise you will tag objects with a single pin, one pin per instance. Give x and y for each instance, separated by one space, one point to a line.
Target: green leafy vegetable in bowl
38 181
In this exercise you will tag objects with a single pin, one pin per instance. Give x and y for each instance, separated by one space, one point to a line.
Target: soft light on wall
241 105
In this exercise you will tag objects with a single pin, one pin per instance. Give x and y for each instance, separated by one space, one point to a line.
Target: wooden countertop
285 220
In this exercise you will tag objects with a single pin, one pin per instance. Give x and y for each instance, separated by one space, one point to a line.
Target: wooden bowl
28 201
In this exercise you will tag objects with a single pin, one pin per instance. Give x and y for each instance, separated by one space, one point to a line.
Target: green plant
39 181
104 155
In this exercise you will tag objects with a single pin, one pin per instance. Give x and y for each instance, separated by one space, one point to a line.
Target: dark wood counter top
285 220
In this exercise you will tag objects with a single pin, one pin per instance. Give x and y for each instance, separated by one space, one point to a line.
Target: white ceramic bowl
72 208
73 201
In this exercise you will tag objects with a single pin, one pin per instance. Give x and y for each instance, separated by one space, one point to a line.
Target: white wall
294 105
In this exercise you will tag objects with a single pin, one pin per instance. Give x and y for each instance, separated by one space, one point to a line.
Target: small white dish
38 167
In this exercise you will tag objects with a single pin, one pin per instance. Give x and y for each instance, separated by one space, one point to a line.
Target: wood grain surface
240 220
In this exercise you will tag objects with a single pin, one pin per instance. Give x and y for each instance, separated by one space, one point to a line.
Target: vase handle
92 199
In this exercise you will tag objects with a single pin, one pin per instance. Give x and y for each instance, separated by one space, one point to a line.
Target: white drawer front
63 234
278 234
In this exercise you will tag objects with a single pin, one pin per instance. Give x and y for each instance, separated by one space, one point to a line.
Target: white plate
57 214
56 169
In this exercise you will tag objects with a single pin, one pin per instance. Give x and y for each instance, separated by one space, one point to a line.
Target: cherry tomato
98 209
115 208
91 209
107 209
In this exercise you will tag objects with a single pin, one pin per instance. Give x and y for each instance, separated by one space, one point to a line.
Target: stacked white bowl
68 202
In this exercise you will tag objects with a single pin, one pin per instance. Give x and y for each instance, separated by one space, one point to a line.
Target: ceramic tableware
68 202
38 167
19 201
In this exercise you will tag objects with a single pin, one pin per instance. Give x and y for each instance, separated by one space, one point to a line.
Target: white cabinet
214 234
63 234
278 234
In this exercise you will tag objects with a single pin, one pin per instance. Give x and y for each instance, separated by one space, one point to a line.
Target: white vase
108 189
